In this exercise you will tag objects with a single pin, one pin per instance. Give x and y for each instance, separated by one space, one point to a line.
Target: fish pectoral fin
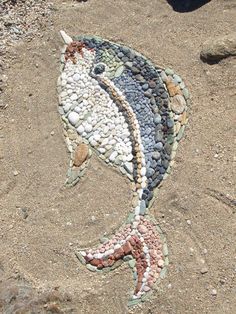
79 160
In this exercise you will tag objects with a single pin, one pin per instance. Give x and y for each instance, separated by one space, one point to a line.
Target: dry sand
195 205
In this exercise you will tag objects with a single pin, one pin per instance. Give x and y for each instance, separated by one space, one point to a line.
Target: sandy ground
195 205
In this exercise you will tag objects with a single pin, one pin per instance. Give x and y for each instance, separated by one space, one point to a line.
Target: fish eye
99 68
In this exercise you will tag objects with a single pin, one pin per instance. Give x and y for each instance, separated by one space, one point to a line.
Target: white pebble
143 171
88 128
96 137
66 107
73 117
113 156
74 97
76 77
80 129
117 246
129 157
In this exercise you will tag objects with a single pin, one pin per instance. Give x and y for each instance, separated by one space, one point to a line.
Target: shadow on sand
186 5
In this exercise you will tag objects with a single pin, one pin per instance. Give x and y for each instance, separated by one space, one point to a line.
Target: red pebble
142 229
127 247
118 253
95 262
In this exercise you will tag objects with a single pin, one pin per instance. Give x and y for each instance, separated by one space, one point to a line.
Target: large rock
218 48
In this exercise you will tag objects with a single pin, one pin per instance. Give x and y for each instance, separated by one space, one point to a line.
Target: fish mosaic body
132 114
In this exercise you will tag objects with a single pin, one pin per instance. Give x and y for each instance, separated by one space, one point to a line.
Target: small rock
214 292
24 212
204 270
15 173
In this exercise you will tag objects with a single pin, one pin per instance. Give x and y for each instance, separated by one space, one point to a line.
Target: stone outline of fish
137 223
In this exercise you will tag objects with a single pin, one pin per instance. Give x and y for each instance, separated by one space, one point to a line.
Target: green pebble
182 85
169 71
186 93
118 161
165 249
166 174
103 240
172 156
175 146
144 297
151 203
163 76
129 64
177 79
81 258
170 139
130 177
132 263
119 71
163 273
106 270
81 173
122 170
130 217
135 275
180 134
159 229
167 261
127 258
133 302
142 208
91 267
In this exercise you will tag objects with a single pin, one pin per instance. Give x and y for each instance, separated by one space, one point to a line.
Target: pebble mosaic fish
114 102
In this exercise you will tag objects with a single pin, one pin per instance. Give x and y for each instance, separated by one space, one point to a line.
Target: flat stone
133 302
180 134
142 209
91 267
169 71
81 258
163 273
177 79
165 250
178 104
81 154
185 93
119 71
128 167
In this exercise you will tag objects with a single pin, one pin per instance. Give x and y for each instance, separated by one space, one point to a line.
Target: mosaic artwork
115 103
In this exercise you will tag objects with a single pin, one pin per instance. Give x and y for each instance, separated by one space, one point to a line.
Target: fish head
79 56
93 55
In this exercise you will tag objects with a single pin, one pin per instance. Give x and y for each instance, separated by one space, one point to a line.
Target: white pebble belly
94 115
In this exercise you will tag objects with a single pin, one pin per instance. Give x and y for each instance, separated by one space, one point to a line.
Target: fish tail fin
139 242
